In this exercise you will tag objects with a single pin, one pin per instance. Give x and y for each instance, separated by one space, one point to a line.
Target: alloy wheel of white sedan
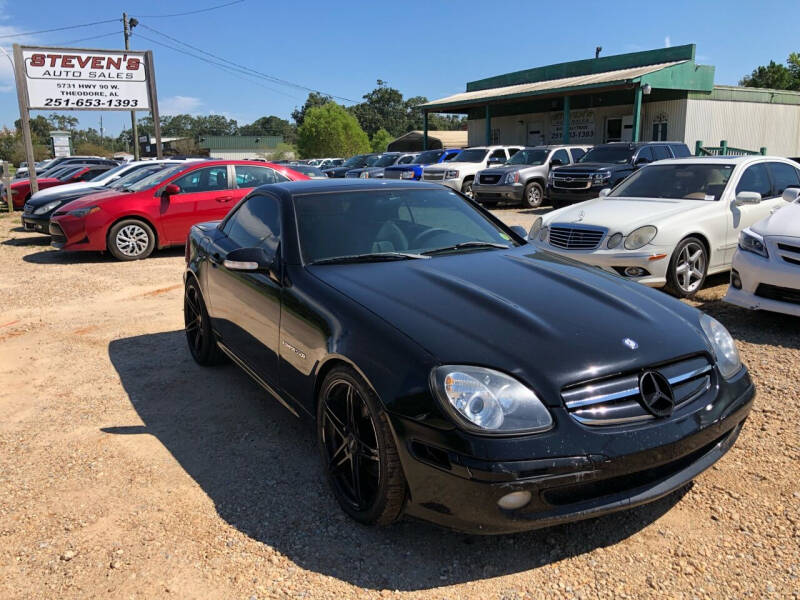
689 267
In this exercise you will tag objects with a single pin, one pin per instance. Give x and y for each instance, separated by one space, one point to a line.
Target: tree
330 130
271 125
314 100
381 140
775 75
62 122
384 108
91 149
40 129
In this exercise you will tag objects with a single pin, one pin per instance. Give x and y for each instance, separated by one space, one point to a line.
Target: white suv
460 172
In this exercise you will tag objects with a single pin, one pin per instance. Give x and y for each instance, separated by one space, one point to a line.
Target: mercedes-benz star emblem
632 344
656 394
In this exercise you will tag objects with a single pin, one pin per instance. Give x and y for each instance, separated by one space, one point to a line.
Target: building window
495 137
660 128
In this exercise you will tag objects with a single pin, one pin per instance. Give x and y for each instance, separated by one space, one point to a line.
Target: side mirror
604 192
747 198
556 162
641 161
520 231
791 194
248 259
171 190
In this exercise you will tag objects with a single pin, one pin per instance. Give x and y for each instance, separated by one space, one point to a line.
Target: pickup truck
523 178
413 170
604 166
459 173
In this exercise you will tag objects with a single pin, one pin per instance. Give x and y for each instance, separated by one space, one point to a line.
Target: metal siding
748 125
675 112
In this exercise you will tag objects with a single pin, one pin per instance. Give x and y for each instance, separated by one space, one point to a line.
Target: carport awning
606 79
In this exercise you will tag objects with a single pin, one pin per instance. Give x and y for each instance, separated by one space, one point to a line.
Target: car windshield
110 172
386 160
686 181
155 178
56 172
387 222
127 180
528 157
608 154
428 158
69 172
355 161
475 155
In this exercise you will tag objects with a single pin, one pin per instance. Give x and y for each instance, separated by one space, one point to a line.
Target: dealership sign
66 78
581 126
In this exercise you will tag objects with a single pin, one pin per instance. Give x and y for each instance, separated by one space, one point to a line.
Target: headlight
543 234
488 401
614 241
640 237
722 345
451 174
406 174
47 207
750 241
364 175
535 228
82 212
511 178
550 177
601 177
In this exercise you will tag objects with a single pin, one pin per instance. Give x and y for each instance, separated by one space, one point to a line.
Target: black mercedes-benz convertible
456 373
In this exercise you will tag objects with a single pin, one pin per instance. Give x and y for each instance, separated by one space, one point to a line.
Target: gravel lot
127 471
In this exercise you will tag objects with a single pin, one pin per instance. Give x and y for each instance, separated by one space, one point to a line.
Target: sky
423 48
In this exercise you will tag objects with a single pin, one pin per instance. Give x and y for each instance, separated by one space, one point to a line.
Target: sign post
82 79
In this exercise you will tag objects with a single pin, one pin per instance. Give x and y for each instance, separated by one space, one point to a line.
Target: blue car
413 171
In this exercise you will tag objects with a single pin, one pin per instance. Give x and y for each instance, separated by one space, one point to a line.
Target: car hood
94 199
79 185
339 170
510 168
456 165
406 167
61 193
590 166
622 214
548 320
366 169
784 222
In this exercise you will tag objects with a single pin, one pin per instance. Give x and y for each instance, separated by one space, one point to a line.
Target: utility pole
127 25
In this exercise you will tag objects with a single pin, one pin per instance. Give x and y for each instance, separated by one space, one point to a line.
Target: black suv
604 166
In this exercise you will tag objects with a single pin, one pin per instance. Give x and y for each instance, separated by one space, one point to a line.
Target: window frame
183 174
775 192
278 176
231 215
762 164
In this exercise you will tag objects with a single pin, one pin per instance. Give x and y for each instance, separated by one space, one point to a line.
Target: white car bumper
653 259
753 271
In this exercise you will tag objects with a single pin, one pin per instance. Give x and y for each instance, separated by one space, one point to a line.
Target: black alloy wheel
197 325
358 451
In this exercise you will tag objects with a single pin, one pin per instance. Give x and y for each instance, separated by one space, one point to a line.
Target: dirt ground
127 471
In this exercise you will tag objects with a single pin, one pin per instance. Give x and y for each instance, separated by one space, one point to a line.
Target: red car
159 210
21 189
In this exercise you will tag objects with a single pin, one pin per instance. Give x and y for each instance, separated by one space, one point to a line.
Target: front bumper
753 271
616 260
78 233
38 223
565 197
498 193
572 473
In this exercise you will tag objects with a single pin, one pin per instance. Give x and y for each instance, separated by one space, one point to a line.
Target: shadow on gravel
260 466
39 240
58 257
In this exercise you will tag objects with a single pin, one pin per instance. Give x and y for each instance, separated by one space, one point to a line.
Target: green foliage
330 130
91 149
62 122
381 140
776 76
314 100
283 151
271 125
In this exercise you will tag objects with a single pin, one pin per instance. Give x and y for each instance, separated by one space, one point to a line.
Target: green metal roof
239 142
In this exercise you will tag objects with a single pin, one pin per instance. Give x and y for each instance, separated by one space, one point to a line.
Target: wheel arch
331 362
703 238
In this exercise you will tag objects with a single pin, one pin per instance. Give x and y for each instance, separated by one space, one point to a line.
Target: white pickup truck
459 173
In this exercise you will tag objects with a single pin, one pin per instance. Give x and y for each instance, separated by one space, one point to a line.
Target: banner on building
581 126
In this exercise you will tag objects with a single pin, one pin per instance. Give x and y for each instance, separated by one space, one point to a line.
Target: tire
358 452
688 268
466 189
131 239
533 195
197 326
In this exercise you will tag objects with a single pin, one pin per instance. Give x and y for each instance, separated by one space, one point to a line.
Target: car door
205 195
245 306
755 178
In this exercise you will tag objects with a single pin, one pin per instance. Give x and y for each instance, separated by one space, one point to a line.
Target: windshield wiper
369 257
473 244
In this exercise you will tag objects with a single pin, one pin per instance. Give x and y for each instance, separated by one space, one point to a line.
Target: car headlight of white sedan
749 241
640 237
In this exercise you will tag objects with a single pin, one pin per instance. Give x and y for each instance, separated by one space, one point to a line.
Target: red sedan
158 211
21 189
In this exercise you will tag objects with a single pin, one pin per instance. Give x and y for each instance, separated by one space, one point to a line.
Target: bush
329 130
381 140
89 149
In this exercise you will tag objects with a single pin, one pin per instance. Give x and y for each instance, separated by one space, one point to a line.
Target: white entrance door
535 133
627 128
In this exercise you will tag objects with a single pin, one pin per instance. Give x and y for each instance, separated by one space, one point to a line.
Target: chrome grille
432 175
572 181
616 400
489 178
576 237
392 173
789 253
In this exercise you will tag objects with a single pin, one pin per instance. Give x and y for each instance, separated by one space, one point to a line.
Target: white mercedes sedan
673 222
766 267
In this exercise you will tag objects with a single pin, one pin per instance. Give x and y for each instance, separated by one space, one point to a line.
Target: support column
637 113
424 129
565 122
488 125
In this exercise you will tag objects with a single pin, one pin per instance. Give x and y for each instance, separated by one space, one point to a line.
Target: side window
577 153
783 176
680 150
450 156
661 152
513 151
645 153
498 154
405 160
92 173
755 179
256 223
248 176
561 155
204 180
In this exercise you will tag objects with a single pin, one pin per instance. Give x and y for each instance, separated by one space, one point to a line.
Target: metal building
236 147
642 96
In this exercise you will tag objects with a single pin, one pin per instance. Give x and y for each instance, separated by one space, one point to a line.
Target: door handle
224 198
